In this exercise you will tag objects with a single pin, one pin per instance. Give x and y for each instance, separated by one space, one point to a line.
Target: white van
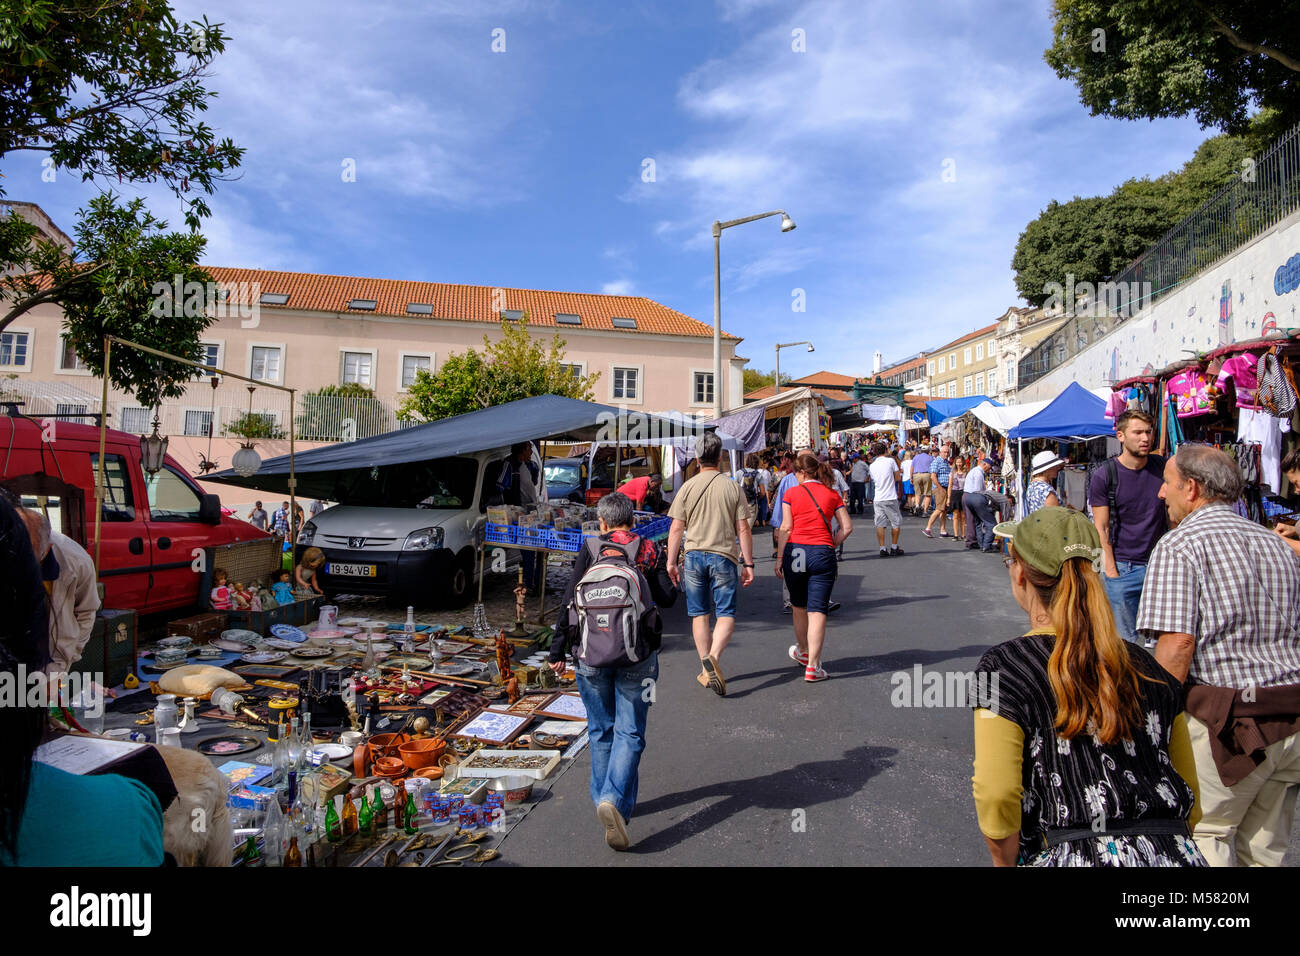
408 532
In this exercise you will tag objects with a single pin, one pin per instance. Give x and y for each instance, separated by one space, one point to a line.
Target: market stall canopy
1075 413
544 417
944 408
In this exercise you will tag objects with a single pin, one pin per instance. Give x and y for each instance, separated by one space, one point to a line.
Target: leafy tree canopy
1216 60
754 379
513 367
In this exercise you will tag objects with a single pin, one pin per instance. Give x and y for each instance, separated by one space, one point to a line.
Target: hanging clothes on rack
1262 429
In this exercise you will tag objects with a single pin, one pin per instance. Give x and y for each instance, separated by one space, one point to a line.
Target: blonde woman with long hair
1082 755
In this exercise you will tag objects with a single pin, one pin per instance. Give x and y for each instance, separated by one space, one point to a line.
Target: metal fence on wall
1259 197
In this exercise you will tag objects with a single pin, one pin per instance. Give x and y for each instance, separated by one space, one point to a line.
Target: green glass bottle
378 813
333 827
251 856
365 818
412 820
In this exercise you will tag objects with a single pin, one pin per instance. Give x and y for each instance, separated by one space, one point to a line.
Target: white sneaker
798 656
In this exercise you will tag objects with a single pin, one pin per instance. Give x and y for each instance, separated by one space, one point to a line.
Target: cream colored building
965 366
1019 331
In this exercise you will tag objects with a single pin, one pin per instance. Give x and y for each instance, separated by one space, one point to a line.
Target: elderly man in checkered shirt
1222 596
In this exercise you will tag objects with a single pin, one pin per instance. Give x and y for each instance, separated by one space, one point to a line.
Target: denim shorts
710 581
810 584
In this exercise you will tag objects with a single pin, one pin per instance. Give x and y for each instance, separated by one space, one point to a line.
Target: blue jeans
761 504
710 581
618 702
1125 593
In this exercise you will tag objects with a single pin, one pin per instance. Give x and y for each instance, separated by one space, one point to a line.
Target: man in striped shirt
1222 596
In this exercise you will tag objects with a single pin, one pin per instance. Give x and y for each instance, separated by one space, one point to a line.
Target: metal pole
293 481
717 320
778 369
103 435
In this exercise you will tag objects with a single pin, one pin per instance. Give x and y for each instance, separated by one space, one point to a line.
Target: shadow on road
848 667
802 786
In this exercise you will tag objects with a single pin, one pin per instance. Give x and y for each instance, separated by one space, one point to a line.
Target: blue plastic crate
657 528
500 533
532 537
563 540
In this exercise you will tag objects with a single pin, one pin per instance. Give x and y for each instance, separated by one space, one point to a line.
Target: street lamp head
787 224
810 348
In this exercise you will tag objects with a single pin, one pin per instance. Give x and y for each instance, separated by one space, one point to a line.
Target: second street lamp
787 224
779 347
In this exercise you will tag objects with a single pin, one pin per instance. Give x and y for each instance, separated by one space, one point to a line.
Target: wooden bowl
418 754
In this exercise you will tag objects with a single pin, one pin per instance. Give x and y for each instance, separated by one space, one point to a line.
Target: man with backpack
1129 515
751 483
611 619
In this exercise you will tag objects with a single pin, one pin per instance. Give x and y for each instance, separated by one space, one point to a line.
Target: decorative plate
301 651
379 646
332 751
325 633
341 642
280 645
242 636
227 745
264 657
351 622
235 646
456 670
287 632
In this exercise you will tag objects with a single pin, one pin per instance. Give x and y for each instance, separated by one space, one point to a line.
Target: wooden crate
112 647
201 628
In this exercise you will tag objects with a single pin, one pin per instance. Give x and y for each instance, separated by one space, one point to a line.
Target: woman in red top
808 559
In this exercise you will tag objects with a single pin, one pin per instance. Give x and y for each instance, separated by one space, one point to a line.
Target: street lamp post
787 224
786 345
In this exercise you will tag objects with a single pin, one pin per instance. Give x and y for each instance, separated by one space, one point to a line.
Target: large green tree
1096 237
513 367
1216 60
112 92
754 379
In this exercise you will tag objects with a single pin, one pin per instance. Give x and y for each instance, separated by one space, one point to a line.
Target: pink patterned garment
1241 369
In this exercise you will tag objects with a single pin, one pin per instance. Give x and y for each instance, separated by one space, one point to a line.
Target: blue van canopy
542 418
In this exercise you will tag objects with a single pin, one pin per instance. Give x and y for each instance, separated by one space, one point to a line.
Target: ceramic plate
264 657
280 645
456 670
228 745
300 651
287 632
325 633
242 636
379 646
333 751
351 622
341 642
229 646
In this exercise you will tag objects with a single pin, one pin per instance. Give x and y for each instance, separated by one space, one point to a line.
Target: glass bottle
333 829
294 856
307 742
365 818
272 831
349 816
251 856
379 812
411 821
295 744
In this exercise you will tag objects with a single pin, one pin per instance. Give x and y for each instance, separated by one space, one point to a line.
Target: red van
152 526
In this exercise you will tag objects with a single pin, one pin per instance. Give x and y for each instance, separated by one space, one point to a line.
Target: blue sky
525 167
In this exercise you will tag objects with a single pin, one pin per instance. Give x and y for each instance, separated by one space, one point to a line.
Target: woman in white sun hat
1041 490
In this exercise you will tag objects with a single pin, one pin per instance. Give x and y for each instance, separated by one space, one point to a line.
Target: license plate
351 570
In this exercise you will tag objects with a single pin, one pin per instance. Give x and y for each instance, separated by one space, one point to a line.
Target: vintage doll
308 571
282 589
242 597
221 593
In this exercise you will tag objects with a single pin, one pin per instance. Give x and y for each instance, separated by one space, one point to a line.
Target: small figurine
221 593
503 657
242 597
282 589
512 690
313 559
521 593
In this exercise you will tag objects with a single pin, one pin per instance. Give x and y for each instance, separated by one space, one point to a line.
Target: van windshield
443 483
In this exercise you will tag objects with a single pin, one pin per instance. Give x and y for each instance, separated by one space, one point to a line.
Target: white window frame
640 385
58 359
979 351
121 419
993 343
965 354
966 384
284 357
374 364
701 371
401 365
979 383
221 358
1011 372
992 380
942 367
31 348
929 368
216 420
952 361
581 367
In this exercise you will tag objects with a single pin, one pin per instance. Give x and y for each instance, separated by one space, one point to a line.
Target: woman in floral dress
1082 756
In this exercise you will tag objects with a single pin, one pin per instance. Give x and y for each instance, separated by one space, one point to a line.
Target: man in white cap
1041 490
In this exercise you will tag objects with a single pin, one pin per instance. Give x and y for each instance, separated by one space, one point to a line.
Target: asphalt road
783 772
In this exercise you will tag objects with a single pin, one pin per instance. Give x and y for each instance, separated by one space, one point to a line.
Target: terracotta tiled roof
465 303
977 334
767 391
916 363
826 378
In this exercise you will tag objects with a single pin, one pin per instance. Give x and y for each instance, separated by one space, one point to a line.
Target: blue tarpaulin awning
944 408
1075 413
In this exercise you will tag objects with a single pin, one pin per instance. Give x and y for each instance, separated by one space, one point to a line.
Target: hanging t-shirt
1241 369
1191 393
1118 404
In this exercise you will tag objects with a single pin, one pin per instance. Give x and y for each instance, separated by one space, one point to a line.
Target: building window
69 360
966 355
965 384
703 390
627 384
357 368
211 356
575 369
135 420
952 362
13 349
942 368
993 343
979 382
412 364
993 381
979 352
72 413
929 368
265 364
198 423
1011 372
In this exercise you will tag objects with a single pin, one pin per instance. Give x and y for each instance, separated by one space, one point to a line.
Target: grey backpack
609 603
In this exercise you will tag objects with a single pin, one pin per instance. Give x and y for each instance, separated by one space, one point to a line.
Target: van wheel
460 586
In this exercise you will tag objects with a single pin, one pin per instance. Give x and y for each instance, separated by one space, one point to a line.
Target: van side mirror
210 509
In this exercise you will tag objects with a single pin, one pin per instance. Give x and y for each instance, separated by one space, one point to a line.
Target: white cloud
618 287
